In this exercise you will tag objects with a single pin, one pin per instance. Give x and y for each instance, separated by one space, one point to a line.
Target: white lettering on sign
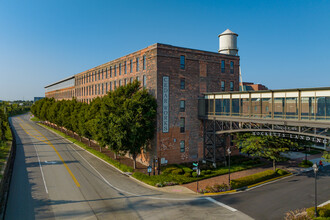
166 99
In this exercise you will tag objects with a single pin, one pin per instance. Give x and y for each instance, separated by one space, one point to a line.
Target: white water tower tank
228 43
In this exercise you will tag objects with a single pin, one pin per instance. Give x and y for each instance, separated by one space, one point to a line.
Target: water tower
228 43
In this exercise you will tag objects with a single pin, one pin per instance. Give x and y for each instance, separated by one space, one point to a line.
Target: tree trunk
134 162
115 154
274 165
100 148
89 142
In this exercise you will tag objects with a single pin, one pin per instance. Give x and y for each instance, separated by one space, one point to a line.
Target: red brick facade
201 73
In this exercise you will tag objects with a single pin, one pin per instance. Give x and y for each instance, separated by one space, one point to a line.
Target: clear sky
282 44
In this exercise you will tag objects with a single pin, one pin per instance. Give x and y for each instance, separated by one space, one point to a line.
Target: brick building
249 86
177 77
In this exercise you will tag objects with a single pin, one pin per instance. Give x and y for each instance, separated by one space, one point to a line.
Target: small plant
299 214
281 172
187 174
178 171
159 185
208 171
194 174
305 164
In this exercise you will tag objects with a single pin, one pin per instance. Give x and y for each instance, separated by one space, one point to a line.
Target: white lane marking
325 203
221 204
133 194
42 173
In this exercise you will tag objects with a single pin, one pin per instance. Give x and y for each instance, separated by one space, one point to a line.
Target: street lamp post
315 168
229 152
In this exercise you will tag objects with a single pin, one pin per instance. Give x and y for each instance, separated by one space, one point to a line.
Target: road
54 179
273 200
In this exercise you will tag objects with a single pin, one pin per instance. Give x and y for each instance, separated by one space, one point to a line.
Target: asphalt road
273 200
53 179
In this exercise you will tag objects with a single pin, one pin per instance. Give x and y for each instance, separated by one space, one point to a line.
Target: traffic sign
149 169
194 168
195 164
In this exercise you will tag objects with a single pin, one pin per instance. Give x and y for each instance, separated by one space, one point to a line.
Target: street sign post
149 169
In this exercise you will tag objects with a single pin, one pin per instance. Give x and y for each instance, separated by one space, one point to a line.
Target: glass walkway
312 104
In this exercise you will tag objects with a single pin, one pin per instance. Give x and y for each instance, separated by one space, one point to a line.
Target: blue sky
282 44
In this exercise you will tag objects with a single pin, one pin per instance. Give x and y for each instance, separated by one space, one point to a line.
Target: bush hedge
256 178
305 164
323 211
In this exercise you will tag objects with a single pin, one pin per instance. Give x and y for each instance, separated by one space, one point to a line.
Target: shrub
177 171
169 170
187 174
252 179
203 172
323 211
281 172
208 171
187 170
305 163
194 174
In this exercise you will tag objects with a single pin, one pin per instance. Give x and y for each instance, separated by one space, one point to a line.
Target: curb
248 187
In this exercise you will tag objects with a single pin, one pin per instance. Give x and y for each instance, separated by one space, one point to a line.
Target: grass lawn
35 119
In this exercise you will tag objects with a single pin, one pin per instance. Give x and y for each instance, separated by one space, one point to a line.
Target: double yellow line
46 141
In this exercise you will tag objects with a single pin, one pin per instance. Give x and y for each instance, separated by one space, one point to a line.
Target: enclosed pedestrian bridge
302 114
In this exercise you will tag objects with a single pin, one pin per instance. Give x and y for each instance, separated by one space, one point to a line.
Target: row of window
103 88
111 71
223 66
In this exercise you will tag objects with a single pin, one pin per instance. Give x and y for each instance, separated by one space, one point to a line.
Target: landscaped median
247 182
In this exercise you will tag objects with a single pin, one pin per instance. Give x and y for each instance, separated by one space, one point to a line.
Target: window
182 62
137 78
182 84
131 65
125 66
119 69
110 71
231 67
99 89
182 105
119 83
144 62
106 73
131 80
106 87
182 125
99 75
115 69
102 88
102 74
222 85
125 81
114 85
137 64
110 86
231 86
182 147
144 81
222 66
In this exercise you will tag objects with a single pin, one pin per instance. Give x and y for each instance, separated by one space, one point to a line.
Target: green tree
139 121
269 147
326 156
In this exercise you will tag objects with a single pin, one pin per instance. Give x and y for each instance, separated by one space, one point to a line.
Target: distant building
177 77
37 98
249 86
